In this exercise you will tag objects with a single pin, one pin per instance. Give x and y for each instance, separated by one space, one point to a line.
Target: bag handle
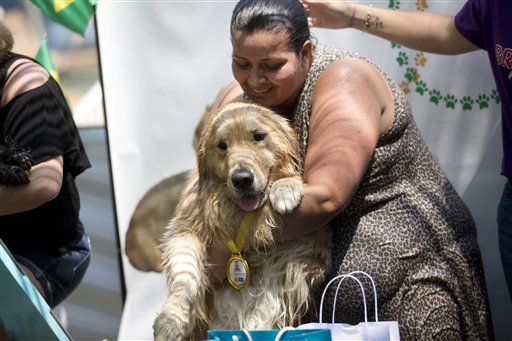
374 294
281 333
247 335
278 336
342 278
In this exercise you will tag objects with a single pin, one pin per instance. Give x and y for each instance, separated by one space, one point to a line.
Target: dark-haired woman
368 175
39 214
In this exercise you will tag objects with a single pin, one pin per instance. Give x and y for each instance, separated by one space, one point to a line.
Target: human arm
351 106
45 183
424 31
46 176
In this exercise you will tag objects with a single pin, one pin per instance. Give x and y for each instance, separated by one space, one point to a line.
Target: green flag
44 58
74 14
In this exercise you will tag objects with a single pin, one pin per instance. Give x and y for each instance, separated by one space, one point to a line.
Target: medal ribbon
237 269
236 246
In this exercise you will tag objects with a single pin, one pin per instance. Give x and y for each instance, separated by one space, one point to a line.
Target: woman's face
268 70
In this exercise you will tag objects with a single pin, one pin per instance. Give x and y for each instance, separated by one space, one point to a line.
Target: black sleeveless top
40 119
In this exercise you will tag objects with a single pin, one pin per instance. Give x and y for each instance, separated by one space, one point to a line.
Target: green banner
44 58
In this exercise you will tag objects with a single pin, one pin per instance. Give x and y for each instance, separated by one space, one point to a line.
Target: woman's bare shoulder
229 93
354 87
23 75
350 69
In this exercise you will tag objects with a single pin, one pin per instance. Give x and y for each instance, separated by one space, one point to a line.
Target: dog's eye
259 137
222 146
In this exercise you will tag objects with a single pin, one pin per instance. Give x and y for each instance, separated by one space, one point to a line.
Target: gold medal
237 271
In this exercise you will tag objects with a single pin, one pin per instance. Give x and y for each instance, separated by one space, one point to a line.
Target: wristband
352 17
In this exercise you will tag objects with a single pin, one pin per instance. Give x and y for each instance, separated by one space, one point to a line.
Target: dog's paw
169 326
286 194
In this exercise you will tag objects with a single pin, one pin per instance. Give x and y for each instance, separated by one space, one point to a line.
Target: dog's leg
184 315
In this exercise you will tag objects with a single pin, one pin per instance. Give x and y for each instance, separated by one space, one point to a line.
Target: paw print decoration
413 82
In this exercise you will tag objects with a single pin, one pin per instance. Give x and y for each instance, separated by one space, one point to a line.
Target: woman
477 25
39 217
368 175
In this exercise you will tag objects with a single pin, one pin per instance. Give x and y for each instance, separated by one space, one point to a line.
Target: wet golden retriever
248 161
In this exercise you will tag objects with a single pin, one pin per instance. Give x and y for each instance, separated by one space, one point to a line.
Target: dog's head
244 148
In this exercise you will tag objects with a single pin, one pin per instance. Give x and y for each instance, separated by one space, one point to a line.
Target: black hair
272 16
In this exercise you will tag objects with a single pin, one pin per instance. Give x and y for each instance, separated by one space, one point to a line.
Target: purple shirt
488 25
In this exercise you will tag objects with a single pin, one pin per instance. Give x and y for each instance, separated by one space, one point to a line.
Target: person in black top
40 143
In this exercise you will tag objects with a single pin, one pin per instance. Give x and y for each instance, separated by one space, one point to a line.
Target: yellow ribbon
236 246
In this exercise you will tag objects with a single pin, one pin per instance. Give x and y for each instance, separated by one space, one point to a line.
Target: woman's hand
45 183
329 14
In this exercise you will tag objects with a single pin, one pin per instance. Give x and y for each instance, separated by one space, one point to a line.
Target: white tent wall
164 61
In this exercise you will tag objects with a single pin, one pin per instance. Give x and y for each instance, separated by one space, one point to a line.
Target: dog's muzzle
243 182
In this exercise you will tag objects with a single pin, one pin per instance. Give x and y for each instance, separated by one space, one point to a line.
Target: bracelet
367 23
372 21
352 17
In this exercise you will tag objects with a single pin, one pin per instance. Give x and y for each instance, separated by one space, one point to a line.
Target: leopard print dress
408 228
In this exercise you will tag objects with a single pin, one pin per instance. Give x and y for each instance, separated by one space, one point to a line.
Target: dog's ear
290 156
203 166
200 127
201 158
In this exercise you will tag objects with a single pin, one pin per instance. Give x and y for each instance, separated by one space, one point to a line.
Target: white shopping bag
364 331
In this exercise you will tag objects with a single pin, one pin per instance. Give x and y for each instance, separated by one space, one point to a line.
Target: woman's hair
272 16
6 40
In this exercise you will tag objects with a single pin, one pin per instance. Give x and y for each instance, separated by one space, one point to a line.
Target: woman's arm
46 177
351 106
45 183
424 31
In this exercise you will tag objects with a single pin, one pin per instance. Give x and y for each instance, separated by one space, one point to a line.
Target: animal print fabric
408 228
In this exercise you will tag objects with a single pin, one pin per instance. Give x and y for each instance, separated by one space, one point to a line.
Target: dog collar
237 268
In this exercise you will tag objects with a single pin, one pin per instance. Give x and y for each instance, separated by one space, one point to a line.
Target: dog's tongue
249 202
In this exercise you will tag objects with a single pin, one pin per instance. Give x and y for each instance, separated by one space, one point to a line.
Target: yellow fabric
236 246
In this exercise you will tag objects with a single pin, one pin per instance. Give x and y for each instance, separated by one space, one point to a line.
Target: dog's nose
242 179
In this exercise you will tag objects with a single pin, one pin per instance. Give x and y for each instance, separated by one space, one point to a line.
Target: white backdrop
163 61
